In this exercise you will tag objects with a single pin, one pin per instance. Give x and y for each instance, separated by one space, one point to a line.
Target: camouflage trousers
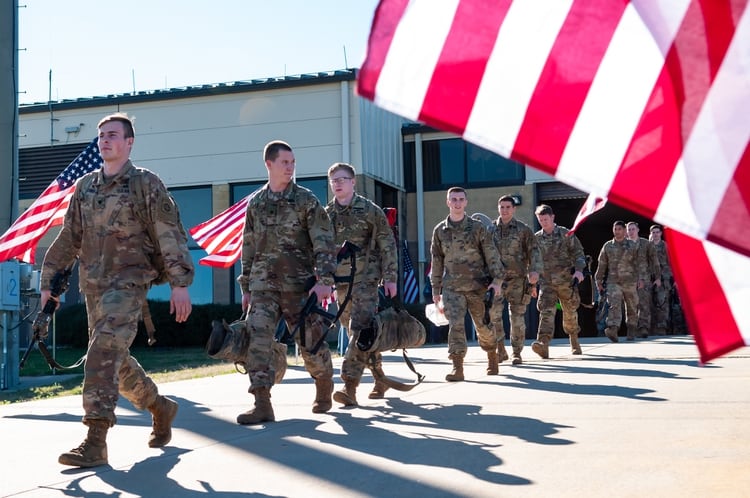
456 304
644 306
616 295
550 292
266 309
660 305
518 300
357 315
110 370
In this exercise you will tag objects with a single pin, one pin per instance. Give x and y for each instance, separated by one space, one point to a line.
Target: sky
95 48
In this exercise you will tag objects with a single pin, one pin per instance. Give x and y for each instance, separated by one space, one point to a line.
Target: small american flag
48 210
221 236
591 206
411 288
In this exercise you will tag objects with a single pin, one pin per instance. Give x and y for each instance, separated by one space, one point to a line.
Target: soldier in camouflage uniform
287 244
660 299
649 262
465 264
522 263
361 222
103 230
561 253
618 274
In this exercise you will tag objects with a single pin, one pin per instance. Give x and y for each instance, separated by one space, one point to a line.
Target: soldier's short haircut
543 209
618 223
456 190
342 166
272 149
127 122
656 227
507 198
633 223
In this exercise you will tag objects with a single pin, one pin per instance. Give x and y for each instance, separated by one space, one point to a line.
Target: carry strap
380 376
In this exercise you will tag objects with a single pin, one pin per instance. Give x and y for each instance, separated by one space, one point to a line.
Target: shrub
71 326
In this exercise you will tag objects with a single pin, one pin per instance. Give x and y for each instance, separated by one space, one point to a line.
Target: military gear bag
230 342
392 328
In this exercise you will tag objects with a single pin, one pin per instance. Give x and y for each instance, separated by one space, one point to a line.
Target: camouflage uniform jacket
661 255
648 261
618 262
287 239
560 253
364 224
464 257
101 227
517 247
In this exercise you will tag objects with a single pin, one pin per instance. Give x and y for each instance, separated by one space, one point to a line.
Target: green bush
72 330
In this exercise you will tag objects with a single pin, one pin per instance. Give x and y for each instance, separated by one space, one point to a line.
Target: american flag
48 210
221 236
643 102
411 288
591 206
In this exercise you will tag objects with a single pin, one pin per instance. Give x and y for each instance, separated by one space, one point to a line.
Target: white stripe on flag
622 86
414 52
504 95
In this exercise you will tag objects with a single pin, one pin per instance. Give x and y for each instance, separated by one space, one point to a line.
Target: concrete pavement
627 419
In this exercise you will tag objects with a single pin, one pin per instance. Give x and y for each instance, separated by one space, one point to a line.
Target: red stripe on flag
707 310
673 107
462 62
565 81
384 24
734 206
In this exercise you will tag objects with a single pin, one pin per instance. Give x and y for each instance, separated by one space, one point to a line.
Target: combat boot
457 374
263 411
92 452
517 358
163 412
575 346
348 395
541 347
502 353
323 391
630 333
492 363
378 390
611 333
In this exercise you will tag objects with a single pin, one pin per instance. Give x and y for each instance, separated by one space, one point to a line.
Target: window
195 208
453 161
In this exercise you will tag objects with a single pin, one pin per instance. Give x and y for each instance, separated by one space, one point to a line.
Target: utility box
10 280
17 282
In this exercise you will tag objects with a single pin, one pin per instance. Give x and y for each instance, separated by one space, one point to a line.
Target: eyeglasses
339 181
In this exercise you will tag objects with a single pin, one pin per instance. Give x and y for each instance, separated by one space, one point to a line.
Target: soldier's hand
246 296
45 296
322 291
391 289
657 282
533 277
179 304
578 275
495 287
